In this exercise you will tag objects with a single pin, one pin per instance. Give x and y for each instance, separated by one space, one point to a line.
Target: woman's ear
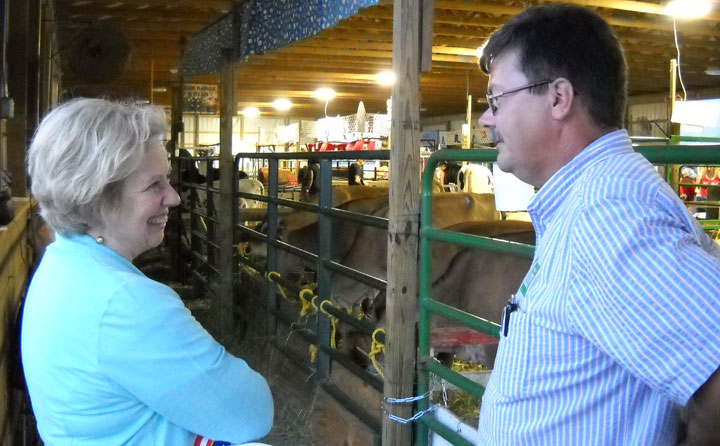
563 97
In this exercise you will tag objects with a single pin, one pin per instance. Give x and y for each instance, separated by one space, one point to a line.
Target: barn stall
366 35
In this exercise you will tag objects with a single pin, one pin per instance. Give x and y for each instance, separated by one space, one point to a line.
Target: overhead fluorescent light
713 71
688 9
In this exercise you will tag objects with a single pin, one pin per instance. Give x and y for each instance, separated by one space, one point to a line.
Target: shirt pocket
537 356
512 360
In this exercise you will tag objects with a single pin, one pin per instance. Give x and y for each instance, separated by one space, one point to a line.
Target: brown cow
476 281
364 247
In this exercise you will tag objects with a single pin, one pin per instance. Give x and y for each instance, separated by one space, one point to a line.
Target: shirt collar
89 242
555 191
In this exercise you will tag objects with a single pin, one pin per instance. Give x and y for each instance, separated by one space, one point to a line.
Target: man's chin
503 163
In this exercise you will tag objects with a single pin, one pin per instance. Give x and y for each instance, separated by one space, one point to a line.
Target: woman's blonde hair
80 155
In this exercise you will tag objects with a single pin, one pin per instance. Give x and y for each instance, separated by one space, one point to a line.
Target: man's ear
562 97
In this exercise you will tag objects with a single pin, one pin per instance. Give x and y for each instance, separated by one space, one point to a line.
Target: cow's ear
366 305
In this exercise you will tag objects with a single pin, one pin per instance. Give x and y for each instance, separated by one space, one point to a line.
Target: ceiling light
713 71
159 89
251 112
688 9
324 94
385 78
281 104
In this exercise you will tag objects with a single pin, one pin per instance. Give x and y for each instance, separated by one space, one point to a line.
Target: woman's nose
172 198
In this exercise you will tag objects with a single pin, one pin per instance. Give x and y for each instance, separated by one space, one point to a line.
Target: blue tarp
271 24
263 25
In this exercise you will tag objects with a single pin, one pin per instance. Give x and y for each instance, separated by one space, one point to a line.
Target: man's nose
486 119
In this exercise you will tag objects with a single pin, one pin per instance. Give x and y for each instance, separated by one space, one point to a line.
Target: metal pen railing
325 266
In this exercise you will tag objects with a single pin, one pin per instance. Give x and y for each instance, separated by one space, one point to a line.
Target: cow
250 186
476 281
354 243
475 178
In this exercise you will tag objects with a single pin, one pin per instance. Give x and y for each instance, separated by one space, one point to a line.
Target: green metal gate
693 155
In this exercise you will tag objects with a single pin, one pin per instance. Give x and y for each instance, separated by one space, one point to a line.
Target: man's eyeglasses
492 98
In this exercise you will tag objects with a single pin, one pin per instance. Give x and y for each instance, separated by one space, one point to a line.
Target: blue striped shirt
618 317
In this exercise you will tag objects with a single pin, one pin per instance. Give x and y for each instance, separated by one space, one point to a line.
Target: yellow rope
202 220
271 276
306 303
376 348
465 366
333 323
313 353
356 311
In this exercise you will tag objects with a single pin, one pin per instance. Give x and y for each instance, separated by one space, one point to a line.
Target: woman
110 356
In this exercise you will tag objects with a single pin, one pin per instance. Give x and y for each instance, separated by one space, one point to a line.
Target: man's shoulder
627 176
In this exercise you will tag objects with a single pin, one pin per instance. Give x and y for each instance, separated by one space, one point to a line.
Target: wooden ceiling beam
620 5
97 10
449 16
219 5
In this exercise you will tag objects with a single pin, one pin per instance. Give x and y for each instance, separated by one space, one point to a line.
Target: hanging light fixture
386 78
324 94
251 112
281 104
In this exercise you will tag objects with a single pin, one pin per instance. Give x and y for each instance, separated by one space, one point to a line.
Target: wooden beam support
403 224
17 62
224 303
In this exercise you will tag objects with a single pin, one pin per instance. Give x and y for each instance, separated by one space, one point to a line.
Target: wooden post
224 308
402 285
17 65
33 69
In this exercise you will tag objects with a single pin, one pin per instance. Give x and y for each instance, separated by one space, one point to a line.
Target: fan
99 54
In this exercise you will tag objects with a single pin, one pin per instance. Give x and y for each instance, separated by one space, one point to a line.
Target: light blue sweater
114 358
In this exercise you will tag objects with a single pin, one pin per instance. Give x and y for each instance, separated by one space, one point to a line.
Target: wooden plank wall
15 261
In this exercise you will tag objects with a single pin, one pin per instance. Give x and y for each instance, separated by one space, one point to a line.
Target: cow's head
356 344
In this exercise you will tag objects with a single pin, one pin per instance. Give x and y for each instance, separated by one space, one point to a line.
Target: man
687 175
602 344
355 173
309 180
